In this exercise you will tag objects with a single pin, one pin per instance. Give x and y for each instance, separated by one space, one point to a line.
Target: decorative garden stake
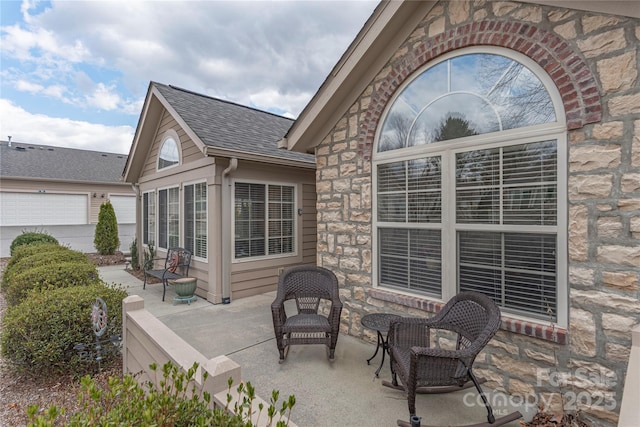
99 322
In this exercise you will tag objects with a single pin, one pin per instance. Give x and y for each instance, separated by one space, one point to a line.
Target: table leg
385 347
380 343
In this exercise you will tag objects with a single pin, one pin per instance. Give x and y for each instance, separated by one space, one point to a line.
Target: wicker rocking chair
308 285
475 319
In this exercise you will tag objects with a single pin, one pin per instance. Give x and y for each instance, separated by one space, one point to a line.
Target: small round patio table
379 322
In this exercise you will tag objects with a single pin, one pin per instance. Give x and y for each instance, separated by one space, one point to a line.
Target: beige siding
247 277
189 151
257 277
52 187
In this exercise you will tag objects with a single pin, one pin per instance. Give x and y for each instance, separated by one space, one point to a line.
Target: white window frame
447 150
145 223
184 219
173 135
296 220
167 189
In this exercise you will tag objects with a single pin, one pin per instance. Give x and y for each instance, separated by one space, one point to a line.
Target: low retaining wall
147 340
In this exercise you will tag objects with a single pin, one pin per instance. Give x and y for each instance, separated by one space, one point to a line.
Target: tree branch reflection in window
490 92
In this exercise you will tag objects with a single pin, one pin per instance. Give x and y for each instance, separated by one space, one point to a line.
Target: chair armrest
442 353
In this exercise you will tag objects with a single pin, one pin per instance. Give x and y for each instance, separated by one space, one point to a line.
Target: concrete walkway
342 393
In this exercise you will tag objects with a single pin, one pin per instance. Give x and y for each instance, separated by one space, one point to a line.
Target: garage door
125 207
33 209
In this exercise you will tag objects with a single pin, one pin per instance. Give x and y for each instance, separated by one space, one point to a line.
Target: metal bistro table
379 322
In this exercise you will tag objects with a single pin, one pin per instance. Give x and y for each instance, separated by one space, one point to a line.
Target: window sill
517 326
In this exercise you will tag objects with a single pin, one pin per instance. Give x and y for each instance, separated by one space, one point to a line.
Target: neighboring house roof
216 126
32 161
390 24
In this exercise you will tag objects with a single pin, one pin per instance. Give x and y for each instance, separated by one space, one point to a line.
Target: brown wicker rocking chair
475 319
308 285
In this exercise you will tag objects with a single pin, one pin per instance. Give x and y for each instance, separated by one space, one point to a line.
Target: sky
75 73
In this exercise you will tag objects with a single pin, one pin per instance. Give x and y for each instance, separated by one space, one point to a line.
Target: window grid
264 220
195 223
169 218
494 122
149 220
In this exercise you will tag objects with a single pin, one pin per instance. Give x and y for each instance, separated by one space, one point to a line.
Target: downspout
138 235
226 230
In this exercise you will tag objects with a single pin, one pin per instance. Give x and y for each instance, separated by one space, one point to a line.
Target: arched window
169 154
470 178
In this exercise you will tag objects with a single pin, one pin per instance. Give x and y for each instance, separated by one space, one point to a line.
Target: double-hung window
149 218
264 219
195 219
470 178
169 218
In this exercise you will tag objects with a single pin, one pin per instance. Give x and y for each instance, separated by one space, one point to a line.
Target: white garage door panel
125 207
43 209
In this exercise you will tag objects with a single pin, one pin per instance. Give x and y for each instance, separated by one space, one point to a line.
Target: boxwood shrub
42 255
40 333
57 275
29 250
31 238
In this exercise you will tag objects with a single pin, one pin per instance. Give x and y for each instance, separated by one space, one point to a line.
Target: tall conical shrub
106 239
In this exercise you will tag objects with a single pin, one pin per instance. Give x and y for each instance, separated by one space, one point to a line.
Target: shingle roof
41 161
230 126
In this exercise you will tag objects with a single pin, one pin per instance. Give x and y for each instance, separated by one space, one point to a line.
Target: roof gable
216 126
32 161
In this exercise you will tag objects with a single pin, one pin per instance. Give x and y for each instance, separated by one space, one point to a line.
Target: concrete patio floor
342 393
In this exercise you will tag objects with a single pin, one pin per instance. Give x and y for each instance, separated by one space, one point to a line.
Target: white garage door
43 209
125 207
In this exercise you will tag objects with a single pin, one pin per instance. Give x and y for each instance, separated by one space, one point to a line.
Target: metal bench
176 266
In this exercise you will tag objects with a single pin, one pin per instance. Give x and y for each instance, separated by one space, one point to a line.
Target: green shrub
18 265
174 402
39 334
31 238
133 248
106 239
58 275
27 251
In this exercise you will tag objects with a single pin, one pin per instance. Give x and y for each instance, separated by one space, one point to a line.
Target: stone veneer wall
593 59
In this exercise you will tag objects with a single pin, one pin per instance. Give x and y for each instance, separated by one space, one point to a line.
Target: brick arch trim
569 71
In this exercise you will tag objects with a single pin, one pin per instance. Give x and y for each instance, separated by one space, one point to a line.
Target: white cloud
288 102
228 49
25 86
103 97
39 44
99 56
40 129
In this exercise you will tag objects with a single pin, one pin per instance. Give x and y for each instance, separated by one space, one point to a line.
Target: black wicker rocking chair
307 285
475 319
